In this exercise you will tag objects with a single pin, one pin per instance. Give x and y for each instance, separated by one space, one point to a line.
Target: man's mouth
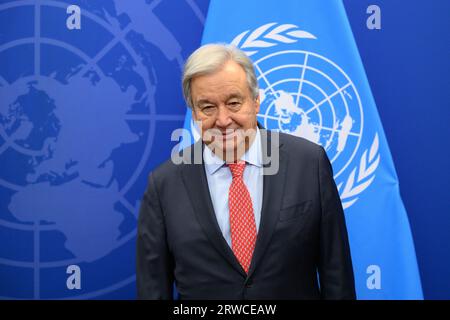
228 135
223 137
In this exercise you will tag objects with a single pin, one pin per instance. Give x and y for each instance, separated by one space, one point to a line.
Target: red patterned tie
242 218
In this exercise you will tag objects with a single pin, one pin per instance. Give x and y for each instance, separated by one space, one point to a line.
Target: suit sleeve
154 264
335 265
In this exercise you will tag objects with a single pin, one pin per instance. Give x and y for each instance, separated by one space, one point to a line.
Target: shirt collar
252 156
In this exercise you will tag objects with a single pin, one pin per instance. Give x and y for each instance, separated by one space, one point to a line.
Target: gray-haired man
224 229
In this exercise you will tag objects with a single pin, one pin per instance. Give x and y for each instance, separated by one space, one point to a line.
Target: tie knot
237 169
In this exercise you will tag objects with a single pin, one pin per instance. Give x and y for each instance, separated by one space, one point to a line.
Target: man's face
226 110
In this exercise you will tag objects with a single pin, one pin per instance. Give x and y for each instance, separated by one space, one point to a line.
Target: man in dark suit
256 216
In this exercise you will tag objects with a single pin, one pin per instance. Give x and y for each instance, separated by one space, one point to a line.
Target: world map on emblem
77 126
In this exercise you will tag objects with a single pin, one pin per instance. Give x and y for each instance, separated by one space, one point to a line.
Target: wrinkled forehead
225 84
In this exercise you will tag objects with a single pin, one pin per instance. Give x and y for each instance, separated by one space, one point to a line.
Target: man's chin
228 152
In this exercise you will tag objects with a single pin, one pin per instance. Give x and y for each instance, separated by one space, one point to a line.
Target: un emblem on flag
308 95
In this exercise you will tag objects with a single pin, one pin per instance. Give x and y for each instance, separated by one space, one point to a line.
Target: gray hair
210 58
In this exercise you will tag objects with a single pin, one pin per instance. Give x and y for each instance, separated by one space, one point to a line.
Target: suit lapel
196 184
273 190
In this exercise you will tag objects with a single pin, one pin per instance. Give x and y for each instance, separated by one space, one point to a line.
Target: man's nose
223 119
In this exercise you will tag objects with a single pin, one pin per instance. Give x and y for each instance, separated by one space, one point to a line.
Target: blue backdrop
87 108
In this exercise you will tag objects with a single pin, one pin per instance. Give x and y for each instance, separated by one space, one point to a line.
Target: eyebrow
234 95
229 97
203 101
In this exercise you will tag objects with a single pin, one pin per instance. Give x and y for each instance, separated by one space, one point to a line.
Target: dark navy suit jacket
301 252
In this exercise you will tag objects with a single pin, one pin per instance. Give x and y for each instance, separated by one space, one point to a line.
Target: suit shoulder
294 144
170 168
165 169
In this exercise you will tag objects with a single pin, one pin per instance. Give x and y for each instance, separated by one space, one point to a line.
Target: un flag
313 85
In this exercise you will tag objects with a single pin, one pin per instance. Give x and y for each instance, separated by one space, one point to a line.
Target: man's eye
234 104
207 108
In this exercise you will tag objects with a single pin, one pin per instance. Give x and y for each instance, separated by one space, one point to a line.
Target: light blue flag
313 85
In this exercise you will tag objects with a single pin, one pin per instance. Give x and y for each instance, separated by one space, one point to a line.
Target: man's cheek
211 135
204 125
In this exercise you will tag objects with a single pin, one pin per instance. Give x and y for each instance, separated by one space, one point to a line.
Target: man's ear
257 104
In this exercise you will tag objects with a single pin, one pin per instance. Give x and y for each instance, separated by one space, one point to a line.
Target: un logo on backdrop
77 126
308 95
